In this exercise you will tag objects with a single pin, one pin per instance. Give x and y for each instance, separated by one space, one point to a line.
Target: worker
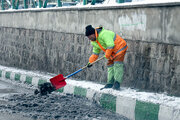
115 49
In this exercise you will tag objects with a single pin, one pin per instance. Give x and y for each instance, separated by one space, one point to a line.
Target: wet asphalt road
19 103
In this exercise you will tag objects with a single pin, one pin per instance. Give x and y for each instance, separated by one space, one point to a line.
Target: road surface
20 103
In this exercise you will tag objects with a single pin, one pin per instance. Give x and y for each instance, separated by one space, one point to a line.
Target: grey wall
53 40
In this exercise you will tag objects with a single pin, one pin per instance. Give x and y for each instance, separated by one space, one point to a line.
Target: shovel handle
83 68
93 62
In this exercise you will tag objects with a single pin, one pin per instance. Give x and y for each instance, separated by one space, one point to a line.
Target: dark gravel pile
57 107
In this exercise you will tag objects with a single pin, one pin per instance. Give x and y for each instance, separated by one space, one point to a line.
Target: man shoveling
115 49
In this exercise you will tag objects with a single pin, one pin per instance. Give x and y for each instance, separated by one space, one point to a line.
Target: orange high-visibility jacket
111 43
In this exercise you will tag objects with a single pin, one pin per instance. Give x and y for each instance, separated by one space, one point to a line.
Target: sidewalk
127 102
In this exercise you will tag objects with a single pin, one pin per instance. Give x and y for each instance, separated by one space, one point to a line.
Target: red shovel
59 80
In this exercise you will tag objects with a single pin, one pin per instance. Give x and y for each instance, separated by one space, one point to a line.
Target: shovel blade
58 81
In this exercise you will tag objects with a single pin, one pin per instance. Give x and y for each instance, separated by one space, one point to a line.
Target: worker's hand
89 65
108 54
110 58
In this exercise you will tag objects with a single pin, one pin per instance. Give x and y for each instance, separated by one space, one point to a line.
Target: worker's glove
110 58
89 65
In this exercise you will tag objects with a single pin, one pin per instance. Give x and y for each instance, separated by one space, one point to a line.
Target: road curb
126 106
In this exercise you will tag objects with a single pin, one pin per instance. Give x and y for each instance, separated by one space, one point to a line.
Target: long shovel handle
83 68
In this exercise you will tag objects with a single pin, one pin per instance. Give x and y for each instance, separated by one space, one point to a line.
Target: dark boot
116 86
107 86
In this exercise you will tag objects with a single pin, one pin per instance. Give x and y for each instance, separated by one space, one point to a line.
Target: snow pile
140 1
134 2
153 1
110 2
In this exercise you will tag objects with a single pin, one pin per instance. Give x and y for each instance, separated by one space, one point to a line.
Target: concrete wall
53 40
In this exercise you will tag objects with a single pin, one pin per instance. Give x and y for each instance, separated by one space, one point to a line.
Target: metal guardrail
17 4
25 4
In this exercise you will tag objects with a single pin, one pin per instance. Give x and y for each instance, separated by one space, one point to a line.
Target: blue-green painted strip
61 90
0 73
80 91
28 80
41 81
146 111
17 77
8 75
108 101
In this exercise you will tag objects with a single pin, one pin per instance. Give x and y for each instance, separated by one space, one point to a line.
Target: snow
105 3
134 2
140 1
158 98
